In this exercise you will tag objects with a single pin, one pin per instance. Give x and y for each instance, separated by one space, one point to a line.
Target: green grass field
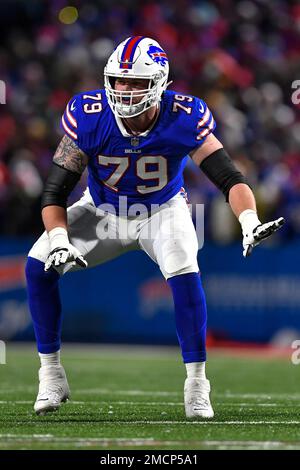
132 398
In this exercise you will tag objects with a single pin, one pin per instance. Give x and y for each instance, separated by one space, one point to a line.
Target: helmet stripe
128 52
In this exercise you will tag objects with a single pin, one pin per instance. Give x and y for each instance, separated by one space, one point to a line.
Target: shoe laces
201 402
199 397
53 390
49 384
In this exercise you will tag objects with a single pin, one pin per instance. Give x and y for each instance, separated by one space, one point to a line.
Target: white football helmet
136 57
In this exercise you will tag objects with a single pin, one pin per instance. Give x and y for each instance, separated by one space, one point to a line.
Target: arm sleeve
60 183
222 172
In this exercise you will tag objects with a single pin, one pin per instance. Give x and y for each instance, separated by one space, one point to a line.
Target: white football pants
168 236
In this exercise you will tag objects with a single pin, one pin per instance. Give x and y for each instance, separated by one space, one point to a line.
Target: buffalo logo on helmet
158 55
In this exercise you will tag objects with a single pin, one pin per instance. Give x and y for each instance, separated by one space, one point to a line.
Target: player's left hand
253 237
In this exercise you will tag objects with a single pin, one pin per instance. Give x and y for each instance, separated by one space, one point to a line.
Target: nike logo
72 107
201 108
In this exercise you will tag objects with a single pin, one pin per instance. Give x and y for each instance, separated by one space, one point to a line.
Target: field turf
132 398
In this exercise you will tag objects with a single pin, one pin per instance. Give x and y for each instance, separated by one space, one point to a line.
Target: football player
134 137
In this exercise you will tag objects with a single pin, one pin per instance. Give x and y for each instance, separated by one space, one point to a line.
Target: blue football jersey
147 168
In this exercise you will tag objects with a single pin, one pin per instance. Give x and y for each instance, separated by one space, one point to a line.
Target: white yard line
209 422
29 438
127 392
262 396
51 437
201 423
111 404
103 391
154 403
251 443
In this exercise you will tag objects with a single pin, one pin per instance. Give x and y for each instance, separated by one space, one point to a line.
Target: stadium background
242 58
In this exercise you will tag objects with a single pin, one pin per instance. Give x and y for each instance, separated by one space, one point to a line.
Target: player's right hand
62 251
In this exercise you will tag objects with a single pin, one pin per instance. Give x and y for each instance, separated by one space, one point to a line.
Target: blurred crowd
241 57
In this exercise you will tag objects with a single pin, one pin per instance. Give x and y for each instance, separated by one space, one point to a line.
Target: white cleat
196 399
53 389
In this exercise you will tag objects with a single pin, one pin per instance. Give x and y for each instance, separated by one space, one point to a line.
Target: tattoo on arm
69 156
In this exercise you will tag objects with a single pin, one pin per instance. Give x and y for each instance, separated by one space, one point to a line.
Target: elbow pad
60 183
220 169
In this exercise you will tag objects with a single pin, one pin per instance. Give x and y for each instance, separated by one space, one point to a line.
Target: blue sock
190 315
44 304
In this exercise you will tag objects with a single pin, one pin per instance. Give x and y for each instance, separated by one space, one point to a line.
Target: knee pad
178 256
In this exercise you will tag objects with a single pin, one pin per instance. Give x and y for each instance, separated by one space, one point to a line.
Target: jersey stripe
207 129
128 52
70 117
205 119
67 129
